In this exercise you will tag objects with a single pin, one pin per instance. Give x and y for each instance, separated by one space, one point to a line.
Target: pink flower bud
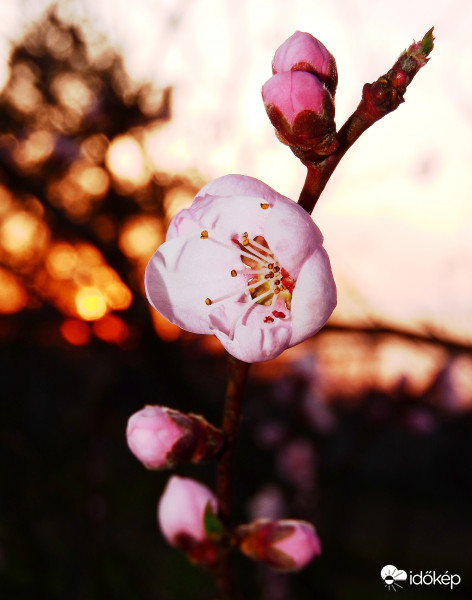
303 52
182 508
151 435
301 546
161 437
302 110
183 511
286 545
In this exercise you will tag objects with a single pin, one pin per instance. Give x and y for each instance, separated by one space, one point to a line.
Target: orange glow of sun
13 297
140 236
90 303
125 159
22 236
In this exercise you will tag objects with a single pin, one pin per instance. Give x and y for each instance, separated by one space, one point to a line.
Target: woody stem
319 171
378 99
238 372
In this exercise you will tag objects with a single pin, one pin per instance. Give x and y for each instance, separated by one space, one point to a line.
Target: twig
378 99
426 337
238 372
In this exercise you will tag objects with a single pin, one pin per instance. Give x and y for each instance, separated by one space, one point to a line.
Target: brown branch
378 99
428 337
238 372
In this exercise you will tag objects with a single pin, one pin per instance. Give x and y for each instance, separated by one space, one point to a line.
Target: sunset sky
397 213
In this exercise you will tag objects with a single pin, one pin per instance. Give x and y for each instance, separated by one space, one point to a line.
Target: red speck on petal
278 315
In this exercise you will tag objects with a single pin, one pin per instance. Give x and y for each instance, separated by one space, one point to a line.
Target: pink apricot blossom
246 264
301 109
300 546
181 510
299 97
303 52
295 91
151 434
284 545
161 437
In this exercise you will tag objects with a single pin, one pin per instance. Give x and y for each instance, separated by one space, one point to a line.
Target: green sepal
427 43
214 528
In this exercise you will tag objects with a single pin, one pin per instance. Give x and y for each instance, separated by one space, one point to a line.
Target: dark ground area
78 510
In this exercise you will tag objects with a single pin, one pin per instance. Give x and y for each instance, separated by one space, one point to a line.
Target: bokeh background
112 115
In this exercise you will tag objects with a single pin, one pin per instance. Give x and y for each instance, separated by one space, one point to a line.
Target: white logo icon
391 575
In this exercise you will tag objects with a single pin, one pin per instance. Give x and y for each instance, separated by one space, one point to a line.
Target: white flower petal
314 297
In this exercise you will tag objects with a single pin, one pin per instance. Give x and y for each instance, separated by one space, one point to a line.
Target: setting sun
90 303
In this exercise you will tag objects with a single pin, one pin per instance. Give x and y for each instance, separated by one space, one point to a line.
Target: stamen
249 288
256 253
261 247
250 271
252 254
264 279
264 205
247 307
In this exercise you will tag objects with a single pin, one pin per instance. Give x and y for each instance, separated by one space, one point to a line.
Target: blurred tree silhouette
81 211
81 208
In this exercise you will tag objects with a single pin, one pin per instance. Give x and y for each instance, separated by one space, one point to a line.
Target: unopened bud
301 109
161 437
184 511
303 52
285 545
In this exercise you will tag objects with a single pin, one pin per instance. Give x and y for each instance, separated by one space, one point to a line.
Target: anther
204 234
245 242
233 273
208 302
270 266
264 205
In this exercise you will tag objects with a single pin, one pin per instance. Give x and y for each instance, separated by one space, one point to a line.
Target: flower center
267 283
